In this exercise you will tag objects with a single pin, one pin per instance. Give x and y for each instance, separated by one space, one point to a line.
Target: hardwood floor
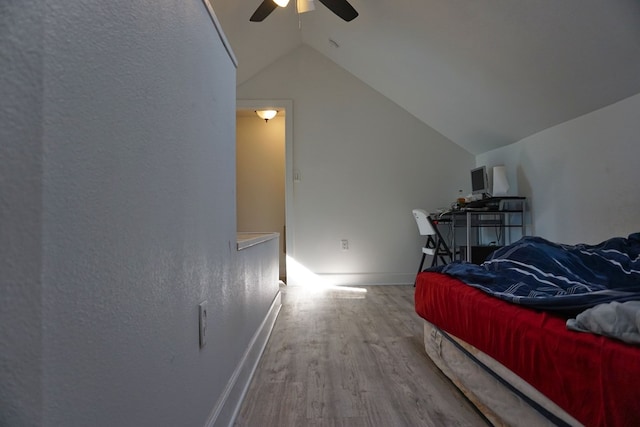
351 357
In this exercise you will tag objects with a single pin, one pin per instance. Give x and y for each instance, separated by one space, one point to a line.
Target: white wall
364 164
118 215
581 176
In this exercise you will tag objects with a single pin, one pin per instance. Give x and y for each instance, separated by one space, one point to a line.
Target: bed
541 333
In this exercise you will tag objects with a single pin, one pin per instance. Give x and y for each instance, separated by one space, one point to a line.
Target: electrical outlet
344 244
202 310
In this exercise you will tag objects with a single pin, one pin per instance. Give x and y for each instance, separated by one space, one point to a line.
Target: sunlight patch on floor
311 282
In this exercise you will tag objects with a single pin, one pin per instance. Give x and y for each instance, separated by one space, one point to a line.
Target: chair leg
422 262
442 251
431 243
419 268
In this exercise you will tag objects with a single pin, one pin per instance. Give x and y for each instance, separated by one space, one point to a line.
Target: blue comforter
540 274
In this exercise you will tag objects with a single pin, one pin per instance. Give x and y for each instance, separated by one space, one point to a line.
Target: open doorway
264 173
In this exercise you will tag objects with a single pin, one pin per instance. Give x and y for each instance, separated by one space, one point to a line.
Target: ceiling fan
342 8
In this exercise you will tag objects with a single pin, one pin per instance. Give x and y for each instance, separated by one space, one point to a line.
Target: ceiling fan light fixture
341 8
305 6
266 115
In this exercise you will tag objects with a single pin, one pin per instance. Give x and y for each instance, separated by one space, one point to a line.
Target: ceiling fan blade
342 8
265 8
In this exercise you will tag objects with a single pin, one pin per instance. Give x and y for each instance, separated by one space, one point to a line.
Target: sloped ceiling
484 73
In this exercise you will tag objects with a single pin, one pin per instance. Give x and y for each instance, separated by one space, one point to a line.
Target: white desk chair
435 245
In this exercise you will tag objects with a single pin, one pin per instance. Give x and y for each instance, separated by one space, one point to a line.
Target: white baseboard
227 407
361 279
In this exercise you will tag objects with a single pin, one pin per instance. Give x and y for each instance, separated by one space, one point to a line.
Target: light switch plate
202 310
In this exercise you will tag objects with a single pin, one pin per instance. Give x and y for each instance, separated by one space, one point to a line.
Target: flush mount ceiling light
281 3
266 115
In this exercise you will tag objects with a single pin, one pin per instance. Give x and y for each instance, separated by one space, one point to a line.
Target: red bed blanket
593 378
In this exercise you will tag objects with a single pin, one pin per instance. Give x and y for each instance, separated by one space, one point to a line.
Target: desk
506 214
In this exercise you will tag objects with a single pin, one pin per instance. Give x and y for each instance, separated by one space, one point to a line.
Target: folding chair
435 245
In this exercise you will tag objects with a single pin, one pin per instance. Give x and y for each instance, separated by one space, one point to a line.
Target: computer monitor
479 181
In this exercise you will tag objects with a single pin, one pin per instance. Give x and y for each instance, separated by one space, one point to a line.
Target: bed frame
503 397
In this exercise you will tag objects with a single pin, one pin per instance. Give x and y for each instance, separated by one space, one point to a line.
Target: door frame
287 106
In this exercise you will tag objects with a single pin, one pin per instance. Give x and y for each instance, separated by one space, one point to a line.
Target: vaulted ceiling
484 73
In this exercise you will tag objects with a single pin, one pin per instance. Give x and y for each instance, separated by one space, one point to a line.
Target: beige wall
260 169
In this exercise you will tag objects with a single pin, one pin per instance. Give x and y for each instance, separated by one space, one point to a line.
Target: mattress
592 378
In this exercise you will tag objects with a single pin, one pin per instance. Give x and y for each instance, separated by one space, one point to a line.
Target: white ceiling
484 73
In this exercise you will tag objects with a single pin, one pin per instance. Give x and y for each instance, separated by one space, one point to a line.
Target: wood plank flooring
351 357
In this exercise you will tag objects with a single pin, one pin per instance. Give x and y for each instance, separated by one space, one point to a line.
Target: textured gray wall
118 215
20 212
